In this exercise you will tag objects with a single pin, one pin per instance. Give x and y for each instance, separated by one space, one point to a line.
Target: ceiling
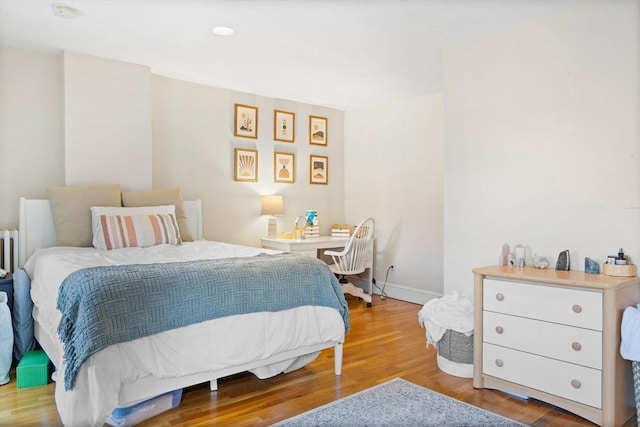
343 54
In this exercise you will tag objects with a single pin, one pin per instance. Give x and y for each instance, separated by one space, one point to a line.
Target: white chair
352 259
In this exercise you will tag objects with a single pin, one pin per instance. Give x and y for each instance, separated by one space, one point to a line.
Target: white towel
630 331
449 312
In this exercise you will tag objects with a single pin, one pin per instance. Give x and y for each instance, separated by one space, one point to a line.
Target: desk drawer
573 307
563 379
575 345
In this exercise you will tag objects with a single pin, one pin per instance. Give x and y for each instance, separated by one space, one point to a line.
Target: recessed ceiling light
223 31
64 11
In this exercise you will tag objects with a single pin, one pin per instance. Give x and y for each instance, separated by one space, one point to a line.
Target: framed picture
245 166
245 121
284 126
318 169
284 168
318 129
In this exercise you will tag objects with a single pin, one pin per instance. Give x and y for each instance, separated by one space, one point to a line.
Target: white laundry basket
449 324
636 386
455 354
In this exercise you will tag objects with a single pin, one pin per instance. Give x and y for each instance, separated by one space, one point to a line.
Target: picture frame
284 167
284 126
245 121
245 165
318 130
318 169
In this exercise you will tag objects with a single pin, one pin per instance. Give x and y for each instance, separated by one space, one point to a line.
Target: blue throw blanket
102 306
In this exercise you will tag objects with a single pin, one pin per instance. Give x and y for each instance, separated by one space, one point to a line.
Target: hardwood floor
385 342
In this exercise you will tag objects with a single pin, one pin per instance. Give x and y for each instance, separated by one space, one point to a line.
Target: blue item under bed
139 412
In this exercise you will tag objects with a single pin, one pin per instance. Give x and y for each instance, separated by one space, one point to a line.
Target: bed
266 342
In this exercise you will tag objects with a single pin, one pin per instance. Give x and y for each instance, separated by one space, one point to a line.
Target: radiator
9 250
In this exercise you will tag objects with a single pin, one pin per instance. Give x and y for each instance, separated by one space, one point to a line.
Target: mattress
199 348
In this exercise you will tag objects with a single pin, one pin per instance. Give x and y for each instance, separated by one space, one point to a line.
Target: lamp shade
273 205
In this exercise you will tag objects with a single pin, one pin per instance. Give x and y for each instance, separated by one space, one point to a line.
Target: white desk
308 246
315 247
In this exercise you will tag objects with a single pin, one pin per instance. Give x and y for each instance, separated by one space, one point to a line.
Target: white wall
193 146
541 147
125 125
393 172
542 140
31 128
107 107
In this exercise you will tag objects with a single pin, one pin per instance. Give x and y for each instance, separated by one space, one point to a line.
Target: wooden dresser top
558 277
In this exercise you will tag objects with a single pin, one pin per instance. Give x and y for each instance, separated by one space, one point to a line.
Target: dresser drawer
567 343
554 304
563 379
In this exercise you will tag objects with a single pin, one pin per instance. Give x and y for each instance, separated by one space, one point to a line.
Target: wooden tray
629 270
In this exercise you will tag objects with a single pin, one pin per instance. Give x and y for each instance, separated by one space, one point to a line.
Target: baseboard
404 293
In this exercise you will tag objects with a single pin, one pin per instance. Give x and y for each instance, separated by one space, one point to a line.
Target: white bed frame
36 230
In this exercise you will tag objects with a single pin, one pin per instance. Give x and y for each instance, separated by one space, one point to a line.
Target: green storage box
33 369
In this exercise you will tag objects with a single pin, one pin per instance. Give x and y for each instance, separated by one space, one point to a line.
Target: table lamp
273 205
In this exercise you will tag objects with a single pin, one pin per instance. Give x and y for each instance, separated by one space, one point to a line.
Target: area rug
398 403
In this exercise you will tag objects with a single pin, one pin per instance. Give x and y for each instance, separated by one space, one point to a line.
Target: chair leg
351 289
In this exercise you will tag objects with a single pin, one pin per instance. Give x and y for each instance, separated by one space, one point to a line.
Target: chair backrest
359 247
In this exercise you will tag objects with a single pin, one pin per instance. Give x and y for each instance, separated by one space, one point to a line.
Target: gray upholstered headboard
36 229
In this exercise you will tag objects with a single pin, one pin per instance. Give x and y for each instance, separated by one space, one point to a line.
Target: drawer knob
576 346
499 329
577 308
499 297
576 384
499 363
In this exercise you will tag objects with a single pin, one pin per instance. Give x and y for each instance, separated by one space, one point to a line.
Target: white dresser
555 336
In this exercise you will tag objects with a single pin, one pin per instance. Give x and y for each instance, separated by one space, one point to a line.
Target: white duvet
102 382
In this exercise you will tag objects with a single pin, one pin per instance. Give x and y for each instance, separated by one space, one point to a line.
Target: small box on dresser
554 336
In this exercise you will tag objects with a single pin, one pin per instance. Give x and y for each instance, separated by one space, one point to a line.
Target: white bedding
195 349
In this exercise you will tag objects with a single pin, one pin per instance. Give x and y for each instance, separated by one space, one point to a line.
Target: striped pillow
143 230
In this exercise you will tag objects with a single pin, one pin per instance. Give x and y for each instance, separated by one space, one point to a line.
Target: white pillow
116 227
